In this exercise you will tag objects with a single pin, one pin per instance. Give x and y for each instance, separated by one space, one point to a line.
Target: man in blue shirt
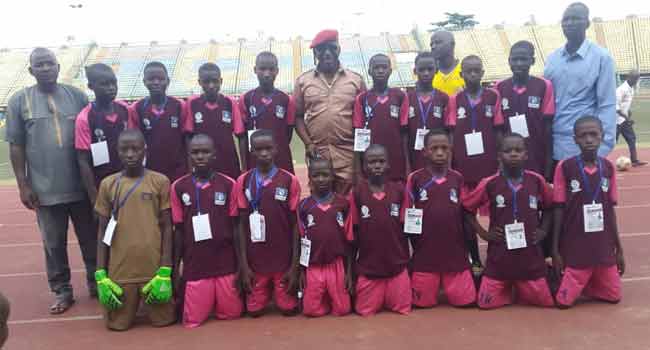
584 80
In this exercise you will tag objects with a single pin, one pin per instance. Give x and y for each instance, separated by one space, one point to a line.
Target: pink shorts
260 296
602 283
208 294
325 290
393 293
494 293
458 286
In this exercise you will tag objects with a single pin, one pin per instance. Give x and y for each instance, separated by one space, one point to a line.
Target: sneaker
639 163
477 268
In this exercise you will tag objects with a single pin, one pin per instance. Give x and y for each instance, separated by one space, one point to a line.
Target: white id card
518 125
201 226
305 251
419 139
249 133
413 221
474 143
515 236
257 227
110 230
361 139
99 151
594 217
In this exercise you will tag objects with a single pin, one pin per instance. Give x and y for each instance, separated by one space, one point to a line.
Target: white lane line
32 274
635 279
58 319
634 187
29 244
633 206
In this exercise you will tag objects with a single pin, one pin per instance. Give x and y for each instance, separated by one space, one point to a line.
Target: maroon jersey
164 128
217 120
189 197
386 116
441 246
536 102
277 200
277 113
508 202
92 127
483 116
324 225
582 249
383 247
430 111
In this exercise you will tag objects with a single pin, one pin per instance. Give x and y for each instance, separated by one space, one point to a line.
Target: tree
454 22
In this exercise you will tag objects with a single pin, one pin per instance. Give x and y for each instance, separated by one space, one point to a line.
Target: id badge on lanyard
515 232
593 214
200 222
117 205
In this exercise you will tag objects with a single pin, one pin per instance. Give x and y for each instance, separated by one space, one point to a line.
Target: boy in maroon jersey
476 119
378 238
217 116
267 108
204 210
268 198
97 128
528 107
383 112
439 243
325 253
163 123
428 108
587 250
514 258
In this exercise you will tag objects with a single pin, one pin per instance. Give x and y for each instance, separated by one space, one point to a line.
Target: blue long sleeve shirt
585 84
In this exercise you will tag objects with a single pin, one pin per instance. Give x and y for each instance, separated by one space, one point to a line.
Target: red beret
323 36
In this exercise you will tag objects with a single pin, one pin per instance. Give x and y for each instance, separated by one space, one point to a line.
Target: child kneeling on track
378 238
434 221
325 253
514 257
134 255
587 250
205 212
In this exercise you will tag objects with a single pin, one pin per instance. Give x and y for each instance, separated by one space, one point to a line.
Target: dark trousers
627 130
53 224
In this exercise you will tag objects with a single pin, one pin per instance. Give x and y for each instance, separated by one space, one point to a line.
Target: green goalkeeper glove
159 289
109 292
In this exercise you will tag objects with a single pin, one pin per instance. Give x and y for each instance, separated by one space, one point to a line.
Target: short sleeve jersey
216 198
537 103
278 201
219 120
441 246
451 83
135 250
324 225
378 235
582 249
481 116
276 112
524 205
386 115
93 127
44 124
164 128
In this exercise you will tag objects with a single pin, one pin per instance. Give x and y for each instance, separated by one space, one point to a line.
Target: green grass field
640 110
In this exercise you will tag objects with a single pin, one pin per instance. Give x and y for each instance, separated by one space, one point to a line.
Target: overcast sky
27 23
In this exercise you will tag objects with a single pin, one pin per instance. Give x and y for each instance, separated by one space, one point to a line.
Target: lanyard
317 201
472 109
198 185
424 113
117 204
585 179
518 99
370 111
424 187
259 186
514 190
254 111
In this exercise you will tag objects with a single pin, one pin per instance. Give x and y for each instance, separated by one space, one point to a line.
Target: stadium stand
628 40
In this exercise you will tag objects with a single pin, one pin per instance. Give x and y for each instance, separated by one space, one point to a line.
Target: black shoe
639 163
